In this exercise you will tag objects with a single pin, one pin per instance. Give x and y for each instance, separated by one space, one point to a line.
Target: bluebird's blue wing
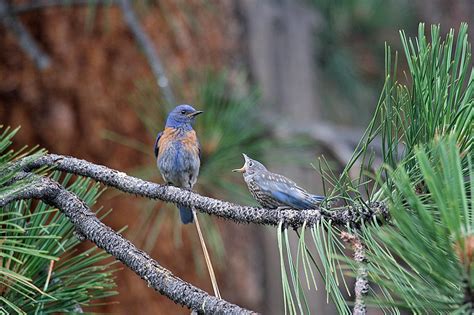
156 148
287 192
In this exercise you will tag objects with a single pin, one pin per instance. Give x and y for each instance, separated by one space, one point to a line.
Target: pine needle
207 257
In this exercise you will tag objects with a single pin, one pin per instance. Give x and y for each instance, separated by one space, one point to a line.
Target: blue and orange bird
177 153
275 191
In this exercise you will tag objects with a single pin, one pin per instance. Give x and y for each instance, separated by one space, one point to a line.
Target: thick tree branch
25 40
362 283
35 189
91 228
242 214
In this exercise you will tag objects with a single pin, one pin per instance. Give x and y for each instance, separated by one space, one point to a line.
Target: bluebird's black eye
250 163
183 112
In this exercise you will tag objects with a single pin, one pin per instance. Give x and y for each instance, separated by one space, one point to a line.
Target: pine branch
362 283
207 257
343 217
91 228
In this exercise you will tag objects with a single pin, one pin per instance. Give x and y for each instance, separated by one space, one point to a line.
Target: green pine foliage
423 260
42 270
427 135
439 100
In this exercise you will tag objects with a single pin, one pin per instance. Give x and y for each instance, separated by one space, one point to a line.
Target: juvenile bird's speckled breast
263 198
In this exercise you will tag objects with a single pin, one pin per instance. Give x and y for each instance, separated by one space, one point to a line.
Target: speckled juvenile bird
177 152
274 190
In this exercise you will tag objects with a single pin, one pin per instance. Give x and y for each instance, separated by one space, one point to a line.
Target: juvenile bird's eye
183 112
250 163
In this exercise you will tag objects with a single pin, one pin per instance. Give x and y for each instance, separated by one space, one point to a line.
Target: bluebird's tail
186 214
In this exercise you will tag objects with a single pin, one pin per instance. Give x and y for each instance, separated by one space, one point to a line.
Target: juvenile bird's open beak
194 114
242 169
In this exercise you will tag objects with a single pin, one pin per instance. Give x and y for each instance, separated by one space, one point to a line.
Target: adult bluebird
274 191
177 152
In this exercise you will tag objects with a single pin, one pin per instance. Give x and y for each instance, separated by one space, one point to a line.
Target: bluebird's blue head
251 167
182 116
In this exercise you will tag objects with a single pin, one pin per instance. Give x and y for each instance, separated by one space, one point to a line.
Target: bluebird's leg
186 214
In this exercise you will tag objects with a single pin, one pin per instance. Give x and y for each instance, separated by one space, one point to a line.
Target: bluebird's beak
243 168
194 114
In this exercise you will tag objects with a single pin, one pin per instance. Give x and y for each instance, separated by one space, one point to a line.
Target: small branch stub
362 283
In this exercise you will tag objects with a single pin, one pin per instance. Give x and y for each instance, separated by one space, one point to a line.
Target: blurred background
285 81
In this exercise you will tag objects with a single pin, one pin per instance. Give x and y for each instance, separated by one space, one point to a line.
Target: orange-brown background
66 108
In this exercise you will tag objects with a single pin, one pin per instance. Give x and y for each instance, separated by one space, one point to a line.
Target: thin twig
207 258
89 226
27 43
349 215
362 283
146 44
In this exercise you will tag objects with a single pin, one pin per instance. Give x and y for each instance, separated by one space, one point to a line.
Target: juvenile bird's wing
287 191
157 148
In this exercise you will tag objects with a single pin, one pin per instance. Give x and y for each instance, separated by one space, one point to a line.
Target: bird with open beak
274 191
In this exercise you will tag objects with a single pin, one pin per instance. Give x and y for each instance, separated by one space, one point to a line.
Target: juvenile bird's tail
186 214
315 199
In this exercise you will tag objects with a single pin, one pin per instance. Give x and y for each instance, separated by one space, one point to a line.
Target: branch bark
343 217
362 283
91 228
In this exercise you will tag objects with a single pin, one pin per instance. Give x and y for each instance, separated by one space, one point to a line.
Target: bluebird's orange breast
187 140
